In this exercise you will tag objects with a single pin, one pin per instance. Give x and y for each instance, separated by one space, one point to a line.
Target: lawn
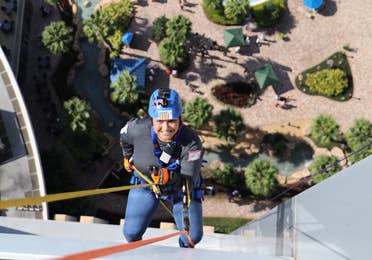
225 225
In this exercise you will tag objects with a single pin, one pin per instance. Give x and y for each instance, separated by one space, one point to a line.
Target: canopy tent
136 67
127 38
233 37
313 4
265 76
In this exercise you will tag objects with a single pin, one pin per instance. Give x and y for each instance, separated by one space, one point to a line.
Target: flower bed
239 93
335 61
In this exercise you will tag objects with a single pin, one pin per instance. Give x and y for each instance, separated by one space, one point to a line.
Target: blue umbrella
313 4
127 38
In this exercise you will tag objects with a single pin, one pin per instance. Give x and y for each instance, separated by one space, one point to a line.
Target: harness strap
144 177
173 163
191 243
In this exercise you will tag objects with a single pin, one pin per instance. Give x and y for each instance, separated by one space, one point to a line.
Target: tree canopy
107 25
124 89
228 125
78 110
198 112
320 163
57 37
236 8
261 178
172 48
325 131
357 136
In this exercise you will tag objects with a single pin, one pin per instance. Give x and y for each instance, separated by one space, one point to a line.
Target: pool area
297 160
90 84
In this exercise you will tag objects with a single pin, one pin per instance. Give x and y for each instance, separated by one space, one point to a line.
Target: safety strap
64 196
116 249
173 164
186 201
155 188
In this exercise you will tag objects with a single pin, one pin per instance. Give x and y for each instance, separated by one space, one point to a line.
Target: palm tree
228 124
78 110
261 178
236 8
124 89
357 136
159 28
108 24
320 163
172 53
324 131
96 28
198 112
57 38
178 28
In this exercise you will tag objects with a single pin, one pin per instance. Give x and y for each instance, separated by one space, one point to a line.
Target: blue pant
141 206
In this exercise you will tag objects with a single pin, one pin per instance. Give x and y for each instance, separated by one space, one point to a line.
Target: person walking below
166 152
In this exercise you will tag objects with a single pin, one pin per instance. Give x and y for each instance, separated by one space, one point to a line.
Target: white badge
164 157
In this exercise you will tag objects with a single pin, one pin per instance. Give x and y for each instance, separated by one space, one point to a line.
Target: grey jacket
135 140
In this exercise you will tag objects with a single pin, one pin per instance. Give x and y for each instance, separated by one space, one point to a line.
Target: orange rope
117 249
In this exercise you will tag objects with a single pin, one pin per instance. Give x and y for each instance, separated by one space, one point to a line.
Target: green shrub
319 164
178 28
214 11
268 13
261 178
172 48
236 8
357 136
228 125
329 82
198 112
325 131
337 60
213 5
159 28
228 177
172 53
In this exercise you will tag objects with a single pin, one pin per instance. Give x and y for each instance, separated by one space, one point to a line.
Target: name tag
164 157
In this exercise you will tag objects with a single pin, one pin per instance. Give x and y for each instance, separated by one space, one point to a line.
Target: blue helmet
165 104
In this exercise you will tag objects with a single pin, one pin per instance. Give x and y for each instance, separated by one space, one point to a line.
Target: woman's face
166 129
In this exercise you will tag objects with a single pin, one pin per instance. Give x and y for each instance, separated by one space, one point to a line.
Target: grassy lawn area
225 225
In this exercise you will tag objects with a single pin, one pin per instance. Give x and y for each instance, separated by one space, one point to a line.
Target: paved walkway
311 41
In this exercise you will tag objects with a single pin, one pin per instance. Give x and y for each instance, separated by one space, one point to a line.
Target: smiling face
166 129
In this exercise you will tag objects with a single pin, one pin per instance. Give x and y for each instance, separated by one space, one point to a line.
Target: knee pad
130 237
